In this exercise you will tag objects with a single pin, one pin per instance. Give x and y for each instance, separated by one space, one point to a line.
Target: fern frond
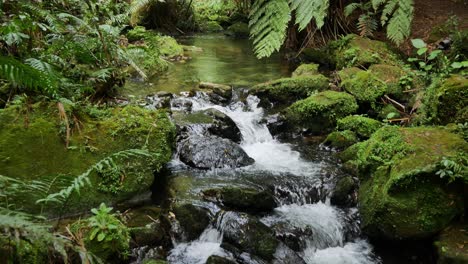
137 7
388 10
377 3
21 74
268 24
367 25
307 9
399 26
349 9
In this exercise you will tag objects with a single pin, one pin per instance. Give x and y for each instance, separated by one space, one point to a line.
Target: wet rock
285 255
192 219
248 234
207 122
344 193
222 90
212 152
451 245
150 235
400 196
182 104
242 199
219 260
276 124
319 112
294 237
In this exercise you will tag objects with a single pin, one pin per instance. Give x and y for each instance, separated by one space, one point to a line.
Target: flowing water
300 174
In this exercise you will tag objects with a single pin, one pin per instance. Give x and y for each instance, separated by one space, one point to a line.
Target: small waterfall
329 235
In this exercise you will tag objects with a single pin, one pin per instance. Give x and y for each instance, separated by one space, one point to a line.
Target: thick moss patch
364 127
341 139
32 147
446 102
306 70
319 112
353 50
400 195
290 89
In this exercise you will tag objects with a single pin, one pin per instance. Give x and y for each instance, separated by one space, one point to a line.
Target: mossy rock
364 86
169 47
400 196
319 112
387 111
353 50
362 126
219 260
446 102
32 147
239 30
211 26
23 251
306 70
288 90
390 75
243 199
343 190
192 219
341 139
452 245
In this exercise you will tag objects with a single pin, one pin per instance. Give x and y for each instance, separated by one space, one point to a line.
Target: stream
300 172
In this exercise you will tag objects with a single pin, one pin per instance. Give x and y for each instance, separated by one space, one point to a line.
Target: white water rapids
327 243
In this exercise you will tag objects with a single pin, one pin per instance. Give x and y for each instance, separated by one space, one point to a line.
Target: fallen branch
395 103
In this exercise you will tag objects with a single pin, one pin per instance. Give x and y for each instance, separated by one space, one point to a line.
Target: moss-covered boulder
341 139
400 196
452 245
238 30
319 112
243 199
362 126
390 75
33 146
192 219
353 50
306 70
447 101
288 90
211 26
363 85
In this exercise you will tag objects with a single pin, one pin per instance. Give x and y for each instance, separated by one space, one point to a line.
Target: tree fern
399 25
307 9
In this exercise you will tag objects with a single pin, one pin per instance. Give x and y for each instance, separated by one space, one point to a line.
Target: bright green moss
353 50
291 89
364 127
390 75
388 110
364 86
32 147
169 47
137 33
446 102
341 139
400 195
306 70
320 111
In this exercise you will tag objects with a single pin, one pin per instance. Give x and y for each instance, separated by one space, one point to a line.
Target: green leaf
421 51
101 237
418 43
434 54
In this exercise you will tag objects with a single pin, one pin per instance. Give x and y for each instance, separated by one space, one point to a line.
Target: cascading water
329 240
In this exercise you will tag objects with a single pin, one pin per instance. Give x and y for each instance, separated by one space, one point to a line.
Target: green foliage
367 23
104 234
454 168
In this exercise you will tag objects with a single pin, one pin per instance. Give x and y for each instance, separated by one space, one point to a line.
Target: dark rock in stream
182 104
345 192
212 152
219 260
192 219
242 199
223 125
247 234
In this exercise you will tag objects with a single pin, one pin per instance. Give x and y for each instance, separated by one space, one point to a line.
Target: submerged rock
288 90
319 112
248 234
212 152
400 196
243 199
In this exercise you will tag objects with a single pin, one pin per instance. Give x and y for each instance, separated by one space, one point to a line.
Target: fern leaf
268 25
367 25
349 9
377 3
306 10
388 11
399 26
